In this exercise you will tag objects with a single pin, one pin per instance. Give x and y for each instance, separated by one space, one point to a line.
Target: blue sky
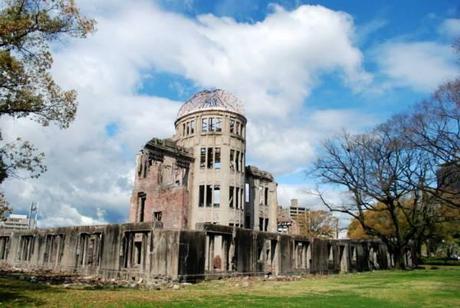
305 71
375 21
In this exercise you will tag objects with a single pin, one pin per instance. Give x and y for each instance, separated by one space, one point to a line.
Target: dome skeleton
211 100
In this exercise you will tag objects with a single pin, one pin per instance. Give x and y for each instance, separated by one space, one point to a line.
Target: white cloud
70 216
272 65
419 65
280 147
450 28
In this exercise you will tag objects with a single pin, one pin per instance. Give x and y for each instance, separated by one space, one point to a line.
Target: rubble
74 281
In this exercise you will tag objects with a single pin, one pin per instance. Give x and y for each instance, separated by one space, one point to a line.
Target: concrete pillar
344 258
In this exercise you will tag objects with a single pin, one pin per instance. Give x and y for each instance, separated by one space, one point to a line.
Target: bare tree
406 170
434 127
384 173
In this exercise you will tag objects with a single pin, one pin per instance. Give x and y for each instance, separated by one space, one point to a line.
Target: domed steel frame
217 99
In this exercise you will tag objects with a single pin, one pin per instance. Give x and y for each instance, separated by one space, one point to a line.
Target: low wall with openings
144 250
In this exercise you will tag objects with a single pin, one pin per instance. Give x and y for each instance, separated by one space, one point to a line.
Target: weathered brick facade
192 209
160 190
199 174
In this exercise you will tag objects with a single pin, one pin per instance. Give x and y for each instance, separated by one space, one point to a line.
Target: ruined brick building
196 211
199 175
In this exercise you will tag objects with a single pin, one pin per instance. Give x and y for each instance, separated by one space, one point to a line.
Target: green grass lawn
417 288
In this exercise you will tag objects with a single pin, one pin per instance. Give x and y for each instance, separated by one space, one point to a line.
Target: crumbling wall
161 185
191 258
142 250
262 205
128 251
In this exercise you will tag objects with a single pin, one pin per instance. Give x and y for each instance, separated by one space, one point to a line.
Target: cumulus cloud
272 65
421 66
285 146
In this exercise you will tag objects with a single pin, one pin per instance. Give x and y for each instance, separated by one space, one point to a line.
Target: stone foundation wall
142 250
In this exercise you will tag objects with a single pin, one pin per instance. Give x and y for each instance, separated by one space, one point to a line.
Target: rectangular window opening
192 127
157 216
141 206
237 197
232 126
216 196
266 196
211 124
202 157
218 124
237 161
204 125
217 163
230 196
138 246
146 168
232 159
141 167
201 196
210 158
208 195
246 192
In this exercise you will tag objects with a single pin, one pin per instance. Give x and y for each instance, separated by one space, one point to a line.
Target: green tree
27 89
400 188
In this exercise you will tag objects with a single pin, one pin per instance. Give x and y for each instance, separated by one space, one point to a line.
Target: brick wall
165 187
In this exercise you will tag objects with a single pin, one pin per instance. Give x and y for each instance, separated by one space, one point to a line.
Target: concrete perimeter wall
142 250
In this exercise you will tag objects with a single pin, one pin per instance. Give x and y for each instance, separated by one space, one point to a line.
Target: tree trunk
399 258
418 252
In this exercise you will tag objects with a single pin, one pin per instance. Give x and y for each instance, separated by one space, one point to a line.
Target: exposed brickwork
162 181
199 174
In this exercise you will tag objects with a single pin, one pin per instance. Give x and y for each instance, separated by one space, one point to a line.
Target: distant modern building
285 223
296 212
290 220
199 175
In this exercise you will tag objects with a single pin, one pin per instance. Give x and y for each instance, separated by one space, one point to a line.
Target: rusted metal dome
211 100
